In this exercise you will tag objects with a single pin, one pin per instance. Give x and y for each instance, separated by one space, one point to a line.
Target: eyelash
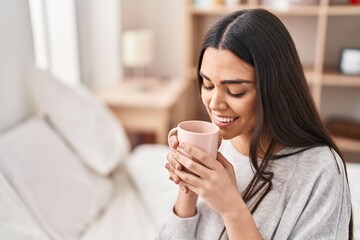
238 95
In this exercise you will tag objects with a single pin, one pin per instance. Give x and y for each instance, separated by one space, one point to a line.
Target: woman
278 174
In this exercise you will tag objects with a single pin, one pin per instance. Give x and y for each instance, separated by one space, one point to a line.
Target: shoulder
319 160
309 163
314 195
318 167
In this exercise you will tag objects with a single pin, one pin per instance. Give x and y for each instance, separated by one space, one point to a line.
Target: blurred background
139 57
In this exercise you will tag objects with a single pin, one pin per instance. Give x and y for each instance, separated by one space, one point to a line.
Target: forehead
223 64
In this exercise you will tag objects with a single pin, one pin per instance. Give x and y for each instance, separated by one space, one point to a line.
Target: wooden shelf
336 79
331 27
217 10
347 144
222 10
333 10
295 10
343 10
310 76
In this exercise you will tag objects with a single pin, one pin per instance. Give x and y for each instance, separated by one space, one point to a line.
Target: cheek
251 110
246 108
205 98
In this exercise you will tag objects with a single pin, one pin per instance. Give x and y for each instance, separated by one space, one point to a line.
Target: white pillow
84 122
59 191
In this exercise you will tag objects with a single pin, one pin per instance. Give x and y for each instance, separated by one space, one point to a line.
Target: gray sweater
309 200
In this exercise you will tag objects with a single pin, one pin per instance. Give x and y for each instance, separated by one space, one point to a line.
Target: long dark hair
285 109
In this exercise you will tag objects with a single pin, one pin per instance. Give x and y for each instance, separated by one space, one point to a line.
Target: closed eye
236 95
210 87
224 82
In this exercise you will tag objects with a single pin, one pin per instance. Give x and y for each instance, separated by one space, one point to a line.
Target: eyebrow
223 82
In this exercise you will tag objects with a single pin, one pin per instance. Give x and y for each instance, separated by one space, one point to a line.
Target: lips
224 120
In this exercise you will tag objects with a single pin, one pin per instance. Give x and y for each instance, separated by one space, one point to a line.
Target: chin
224 135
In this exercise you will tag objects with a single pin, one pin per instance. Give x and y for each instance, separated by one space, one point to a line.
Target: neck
242 145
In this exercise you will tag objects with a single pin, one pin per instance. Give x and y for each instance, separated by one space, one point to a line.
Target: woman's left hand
213 180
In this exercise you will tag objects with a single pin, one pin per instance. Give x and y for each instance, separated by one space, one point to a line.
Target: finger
187 187
173 142
176 179
190 165
182 184
188 177
227 165
173 177
172 160
201 156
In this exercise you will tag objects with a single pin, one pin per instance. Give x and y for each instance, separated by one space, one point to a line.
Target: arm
319 202
185 205
182 222
215 182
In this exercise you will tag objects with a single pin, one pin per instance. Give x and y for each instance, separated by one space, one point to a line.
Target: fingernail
182 145
167 166
170 178
177 166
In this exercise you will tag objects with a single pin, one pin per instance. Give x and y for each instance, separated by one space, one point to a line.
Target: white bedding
16 221
124 217
146 167
61 194
143 198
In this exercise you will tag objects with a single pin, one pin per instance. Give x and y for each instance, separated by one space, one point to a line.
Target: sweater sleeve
177 228
318 201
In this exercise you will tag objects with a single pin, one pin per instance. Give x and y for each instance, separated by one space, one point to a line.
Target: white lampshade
138 48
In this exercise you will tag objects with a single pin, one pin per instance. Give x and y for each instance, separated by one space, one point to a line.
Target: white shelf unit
311 27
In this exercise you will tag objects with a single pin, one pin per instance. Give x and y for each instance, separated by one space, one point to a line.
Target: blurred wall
100 27
99 34
165 18
16 63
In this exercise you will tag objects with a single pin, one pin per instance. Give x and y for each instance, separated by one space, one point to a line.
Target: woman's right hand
172 163
185 205
173 142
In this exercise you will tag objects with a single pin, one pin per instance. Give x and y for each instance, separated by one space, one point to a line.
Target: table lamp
138 51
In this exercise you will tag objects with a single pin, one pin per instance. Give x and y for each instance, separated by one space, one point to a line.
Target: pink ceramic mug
204 135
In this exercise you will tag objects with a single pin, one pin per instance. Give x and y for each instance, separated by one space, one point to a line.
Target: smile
224 121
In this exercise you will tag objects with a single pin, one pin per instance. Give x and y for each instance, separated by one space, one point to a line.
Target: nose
217 102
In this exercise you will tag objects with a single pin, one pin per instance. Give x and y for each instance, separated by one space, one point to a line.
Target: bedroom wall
16 63
165 18
17 66
99 33
16 52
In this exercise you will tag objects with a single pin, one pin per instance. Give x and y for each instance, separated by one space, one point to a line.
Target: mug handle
171 133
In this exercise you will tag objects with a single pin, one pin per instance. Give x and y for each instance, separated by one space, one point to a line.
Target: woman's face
228 92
